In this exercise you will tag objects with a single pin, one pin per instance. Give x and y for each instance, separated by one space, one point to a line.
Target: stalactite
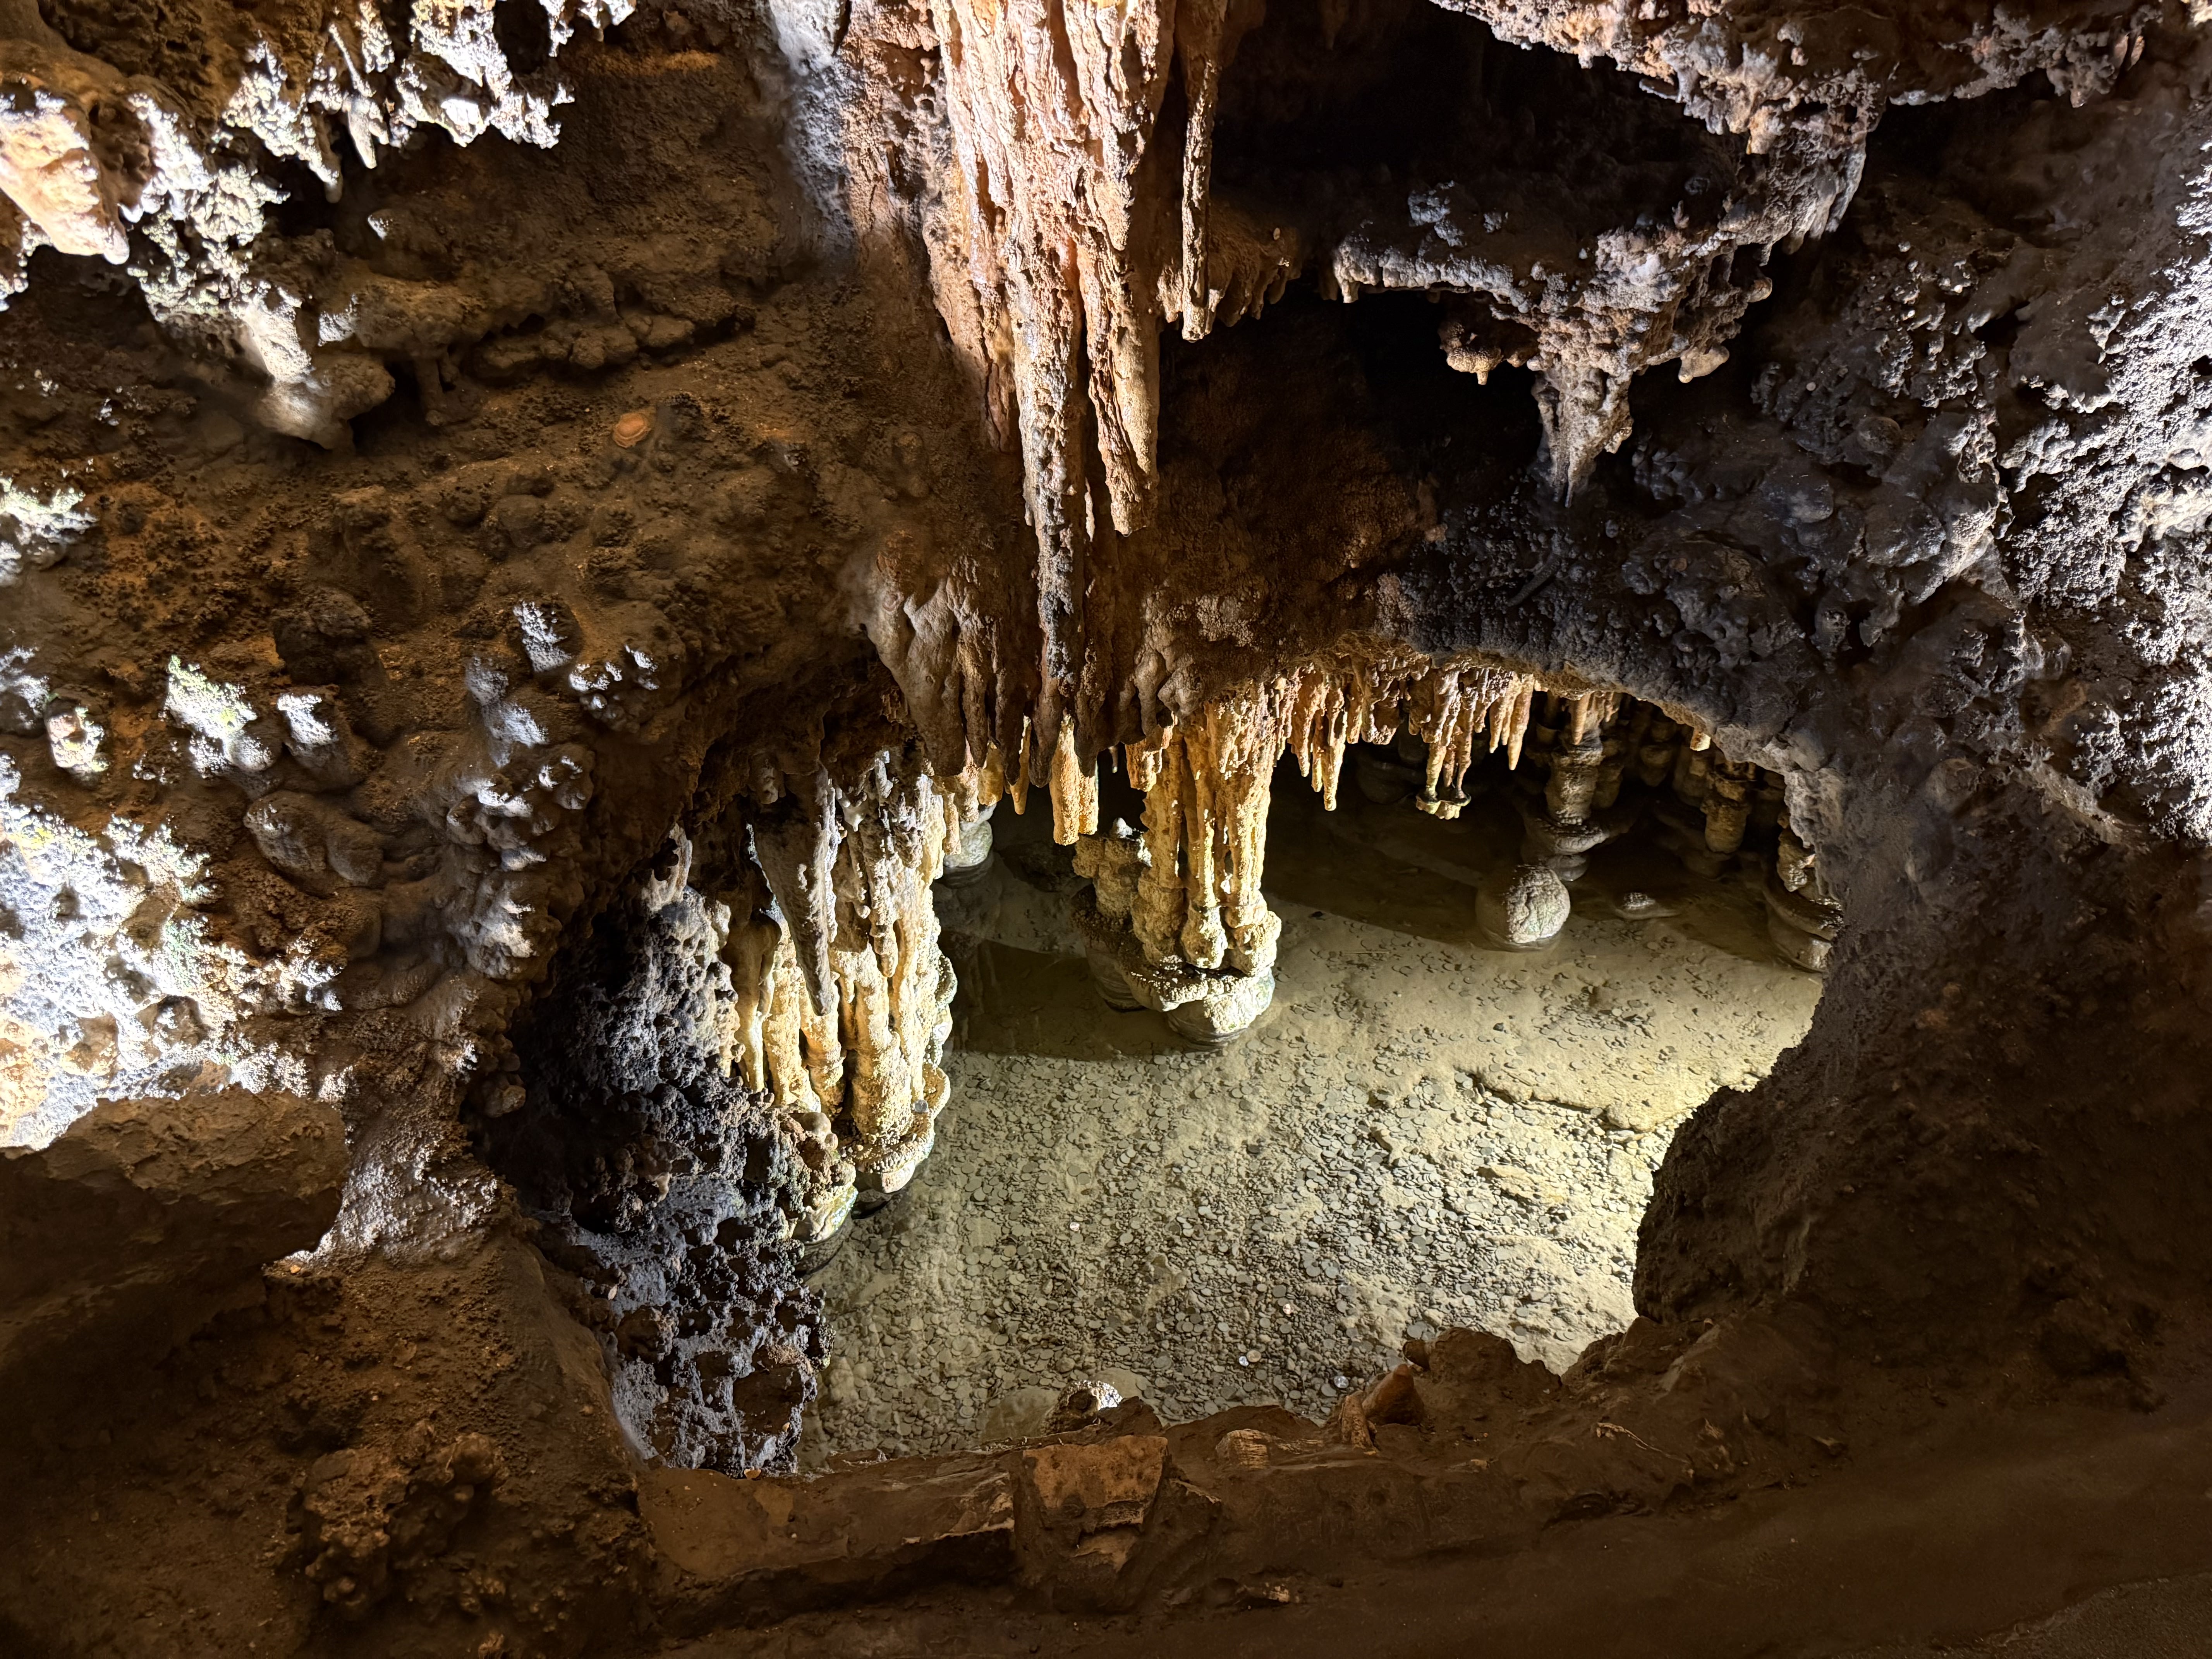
1193 906
856 1073
796 844
752 949
1053 114
1074 784
1353 699
1207 784
1018 774
1359 696
1451 708
1067 229
1175 919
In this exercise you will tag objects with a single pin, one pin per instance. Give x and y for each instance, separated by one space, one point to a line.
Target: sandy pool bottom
1420 1133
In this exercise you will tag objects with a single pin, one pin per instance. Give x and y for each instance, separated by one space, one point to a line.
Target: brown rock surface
146 1218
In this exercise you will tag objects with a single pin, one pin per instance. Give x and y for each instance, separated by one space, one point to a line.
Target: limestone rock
366 1513
1225 1009
1080 1405
1522 906
737 1547
1018 1414
146 1216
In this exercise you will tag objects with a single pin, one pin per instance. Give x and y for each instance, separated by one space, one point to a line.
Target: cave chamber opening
1487 1018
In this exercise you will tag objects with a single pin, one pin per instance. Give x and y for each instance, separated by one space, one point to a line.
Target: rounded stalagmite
1522 906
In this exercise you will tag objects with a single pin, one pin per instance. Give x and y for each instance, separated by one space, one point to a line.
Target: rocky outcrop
665 1188
843 998
369 1517
144 1219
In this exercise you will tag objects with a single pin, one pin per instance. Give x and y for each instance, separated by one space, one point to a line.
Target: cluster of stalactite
1076 216
1073 243
1586 747
842 999
1707 807
1174 918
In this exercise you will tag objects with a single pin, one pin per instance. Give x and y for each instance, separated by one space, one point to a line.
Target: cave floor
2068 1532
1421 1132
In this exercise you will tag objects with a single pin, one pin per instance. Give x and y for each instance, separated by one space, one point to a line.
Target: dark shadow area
1012 1001
1369 375
1325 105
653 1180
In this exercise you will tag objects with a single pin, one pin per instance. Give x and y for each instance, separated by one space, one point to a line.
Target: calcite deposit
536 536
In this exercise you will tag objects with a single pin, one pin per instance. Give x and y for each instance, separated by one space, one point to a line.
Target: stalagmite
968 847
1571 792
1113 862
1174 919
1728 805
1522 906
1573 813
1612 768
1693 770
1655 740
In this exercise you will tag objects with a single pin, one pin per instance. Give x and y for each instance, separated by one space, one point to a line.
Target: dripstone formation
533 534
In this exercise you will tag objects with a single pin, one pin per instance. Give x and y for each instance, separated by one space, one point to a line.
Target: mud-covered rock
147 1217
